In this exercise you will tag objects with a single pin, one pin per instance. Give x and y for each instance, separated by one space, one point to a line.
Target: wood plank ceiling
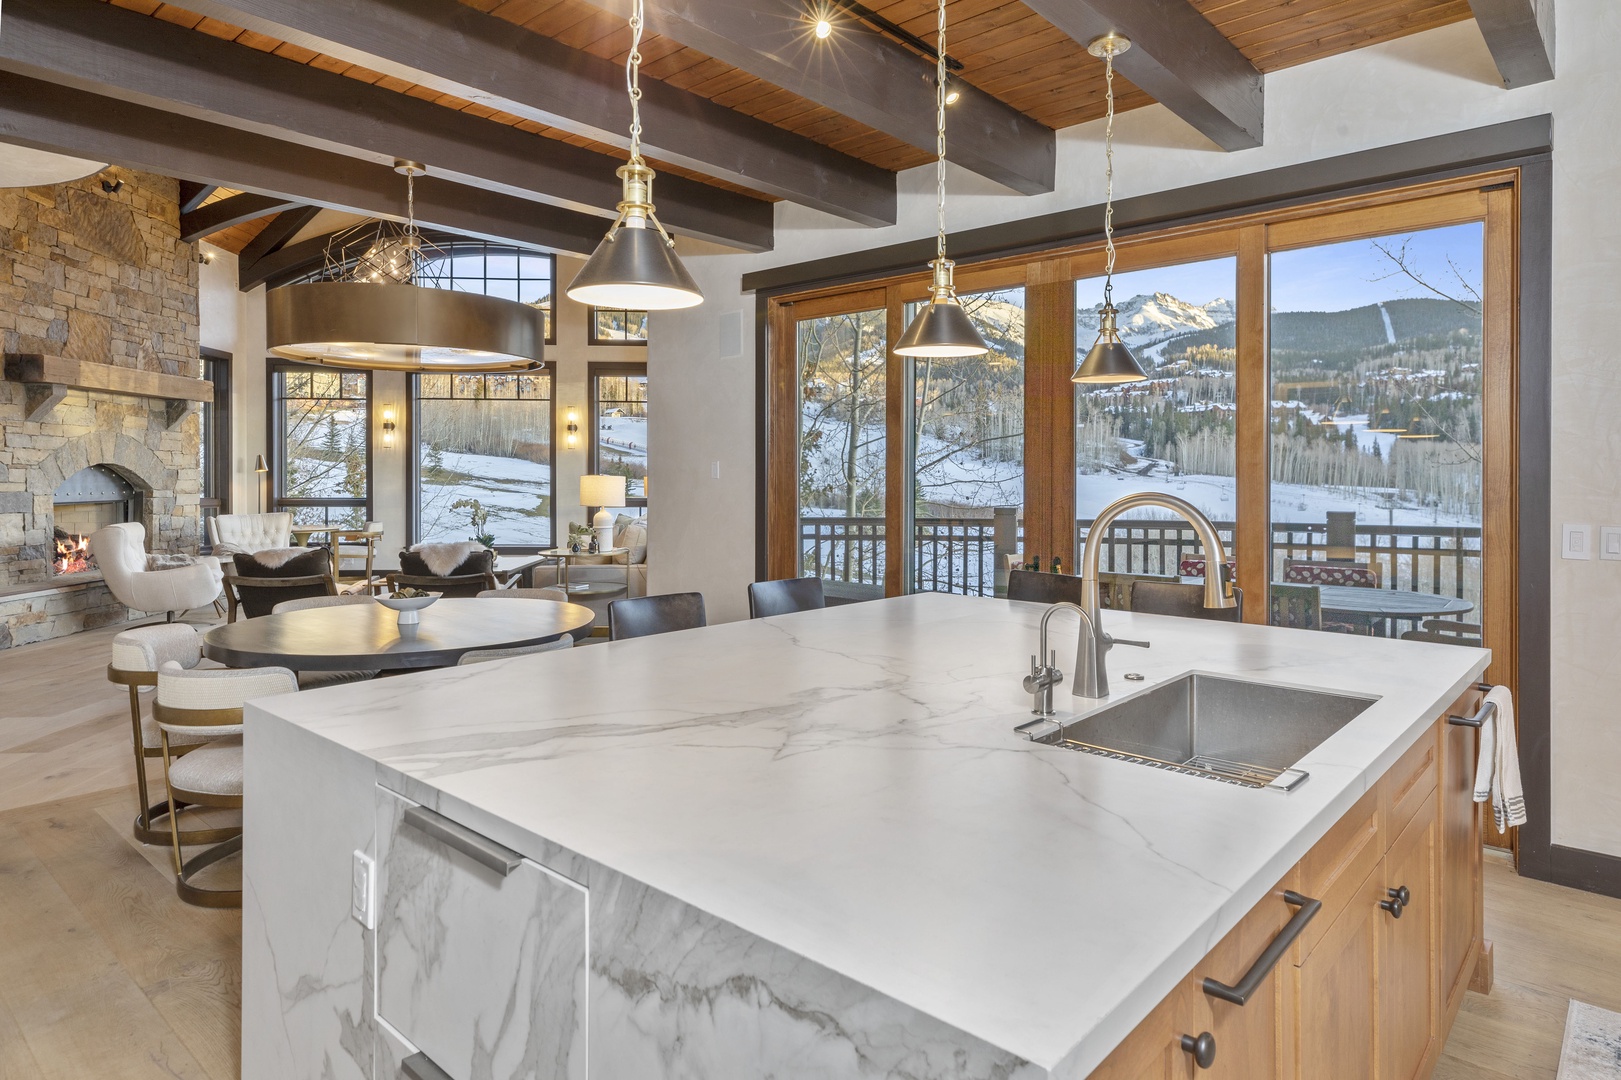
1004 48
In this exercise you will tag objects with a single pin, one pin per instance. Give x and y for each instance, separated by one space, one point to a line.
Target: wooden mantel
49 378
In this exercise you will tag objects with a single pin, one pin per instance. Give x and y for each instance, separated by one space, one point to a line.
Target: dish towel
1497 776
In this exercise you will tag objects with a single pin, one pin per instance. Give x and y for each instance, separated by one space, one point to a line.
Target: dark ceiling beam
231 210
1177 58
193 194
1519 34
65 120
275 235
861 74
119 53
459 50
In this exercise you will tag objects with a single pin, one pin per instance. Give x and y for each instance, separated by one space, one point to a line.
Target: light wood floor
105 974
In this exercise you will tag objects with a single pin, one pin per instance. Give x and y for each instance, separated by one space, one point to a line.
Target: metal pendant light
942 327
1108 361
636 267
369 314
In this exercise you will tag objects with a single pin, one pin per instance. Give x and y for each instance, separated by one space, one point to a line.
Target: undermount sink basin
1226 729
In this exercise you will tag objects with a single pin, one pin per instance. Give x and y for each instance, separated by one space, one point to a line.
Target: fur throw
447 560
170 562
283 562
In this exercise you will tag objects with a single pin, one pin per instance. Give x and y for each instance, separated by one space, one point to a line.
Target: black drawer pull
479 848
1238 995
1487 709
420 1066
1203 1048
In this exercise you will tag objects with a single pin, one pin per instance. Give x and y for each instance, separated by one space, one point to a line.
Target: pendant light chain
939 131
633 78
1108 181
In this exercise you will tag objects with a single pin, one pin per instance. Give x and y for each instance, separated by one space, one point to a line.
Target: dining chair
357 551
137 655
1357 576
554 593
1182 599
480 656
314 680
642 616
459 585
1040 588
1114 590
208 705
1298 607
767 598
1447 632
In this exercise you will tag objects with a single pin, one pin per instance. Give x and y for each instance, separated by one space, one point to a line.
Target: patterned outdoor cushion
1315 573
1195 568
434 560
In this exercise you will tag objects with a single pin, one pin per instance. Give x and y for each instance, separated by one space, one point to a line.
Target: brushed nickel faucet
1091 675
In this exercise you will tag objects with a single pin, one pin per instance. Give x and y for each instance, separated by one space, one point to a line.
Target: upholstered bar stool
192 703
137 655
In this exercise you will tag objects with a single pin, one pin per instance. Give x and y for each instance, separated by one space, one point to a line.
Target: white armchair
248 533
120 553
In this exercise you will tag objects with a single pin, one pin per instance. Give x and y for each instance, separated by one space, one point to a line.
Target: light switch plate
1609 542
360 893
1578 542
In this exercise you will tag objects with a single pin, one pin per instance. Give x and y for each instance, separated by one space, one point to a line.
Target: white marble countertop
847 785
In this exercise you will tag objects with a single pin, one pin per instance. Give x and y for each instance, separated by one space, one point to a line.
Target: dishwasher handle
1238 995
420 1066
476 846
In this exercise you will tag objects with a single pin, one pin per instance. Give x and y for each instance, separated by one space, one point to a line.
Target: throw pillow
631 533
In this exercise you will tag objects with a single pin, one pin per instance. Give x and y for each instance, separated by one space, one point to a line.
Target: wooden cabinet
1408 973
1362 993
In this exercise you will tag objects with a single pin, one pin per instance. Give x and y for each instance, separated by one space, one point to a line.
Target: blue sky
1334 277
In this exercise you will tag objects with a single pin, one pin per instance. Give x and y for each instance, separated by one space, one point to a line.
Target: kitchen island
814 846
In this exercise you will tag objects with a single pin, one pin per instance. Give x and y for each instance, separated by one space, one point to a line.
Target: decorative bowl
408 606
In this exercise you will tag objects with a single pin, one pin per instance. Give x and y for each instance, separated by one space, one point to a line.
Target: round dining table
1374 605
368 637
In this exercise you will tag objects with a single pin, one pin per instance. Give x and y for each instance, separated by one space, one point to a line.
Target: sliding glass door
841 361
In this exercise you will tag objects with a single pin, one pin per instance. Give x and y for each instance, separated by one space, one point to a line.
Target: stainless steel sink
1226 729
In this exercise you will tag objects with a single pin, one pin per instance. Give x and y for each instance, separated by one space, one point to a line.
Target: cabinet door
481 954
1153 1051
1247 1036
1459 844
1409 1014
1335 992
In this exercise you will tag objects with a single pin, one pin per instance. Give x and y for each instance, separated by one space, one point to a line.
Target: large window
321 432
616 326
484 448
214 442
619 426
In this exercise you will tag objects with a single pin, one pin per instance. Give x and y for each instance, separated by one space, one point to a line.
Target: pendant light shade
1108 361
941 327
636 267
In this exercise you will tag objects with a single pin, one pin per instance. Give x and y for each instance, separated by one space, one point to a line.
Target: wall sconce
573 429
388 427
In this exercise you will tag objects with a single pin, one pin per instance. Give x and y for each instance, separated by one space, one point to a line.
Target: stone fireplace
100 294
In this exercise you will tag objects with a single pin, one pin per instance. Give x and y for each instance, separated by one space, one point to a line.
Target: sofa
233 534
153 582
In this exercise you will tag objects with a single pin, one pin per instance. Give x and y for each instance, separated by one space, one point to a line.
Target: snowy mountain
1154 317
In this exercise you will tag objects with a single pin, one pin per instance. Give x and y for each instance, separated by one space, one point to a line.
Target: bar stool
137 655
192 703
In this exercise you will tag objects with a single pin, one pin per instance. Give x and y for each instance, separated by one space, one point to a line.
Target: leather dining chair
642 616
767 598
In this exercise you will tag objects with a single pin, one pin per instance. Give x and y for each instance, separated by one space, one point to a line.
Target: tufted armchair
120 552
248 533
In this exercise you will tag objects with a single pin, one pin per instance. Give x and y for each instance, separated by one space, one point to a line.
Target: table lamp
600 490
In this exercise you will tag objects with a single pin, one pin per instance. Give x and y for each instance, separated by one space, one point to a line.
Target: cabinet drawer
1335 869
481 954
1410 782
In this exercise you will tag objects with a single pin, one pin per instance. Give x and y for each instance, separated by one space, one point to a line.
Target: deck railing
962 555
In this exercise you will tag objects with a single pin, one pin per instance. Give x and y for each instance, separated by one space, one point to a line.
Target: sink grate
1212 768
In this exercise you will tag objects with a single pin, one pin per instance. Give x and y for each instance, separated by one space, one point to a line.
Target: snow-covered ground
513 490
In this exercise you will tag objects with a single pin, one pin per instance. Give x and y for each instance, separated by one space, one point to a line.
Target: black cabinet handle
476 846
1487 709
1238 995
1401 893
1398 900
1203 1048
420 1066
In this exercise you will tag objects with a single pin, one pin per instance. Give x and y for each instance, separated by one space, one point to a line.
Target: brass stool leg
147 827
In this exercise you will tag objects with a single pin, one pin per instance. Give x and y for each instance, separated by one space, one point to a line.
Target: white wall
1424 85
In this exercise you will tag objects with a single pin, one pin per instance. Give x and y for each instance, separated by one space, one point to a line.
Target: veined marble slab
845 787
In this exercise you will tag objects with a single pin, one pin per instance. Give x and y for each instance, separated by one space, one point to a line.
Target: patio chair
1298 607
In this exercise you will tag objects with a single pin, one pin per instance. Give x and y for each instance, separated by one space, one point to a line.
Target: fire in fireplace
86 501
